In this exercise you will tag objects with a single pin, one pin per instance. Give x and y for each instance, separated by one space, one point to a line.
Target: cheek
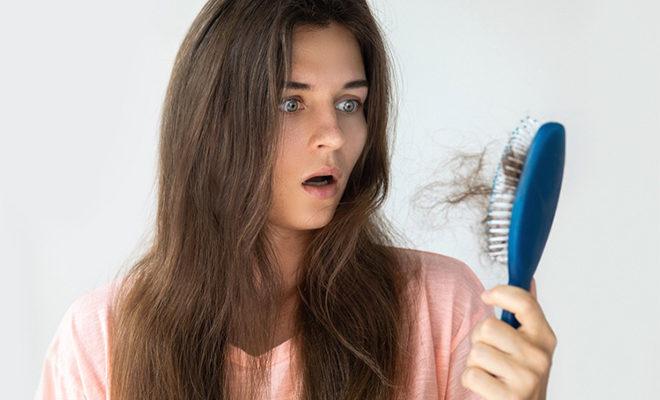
289 159
356 140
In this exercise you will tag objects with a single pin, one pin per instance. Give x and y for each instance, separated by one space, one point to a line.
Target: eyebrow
305 86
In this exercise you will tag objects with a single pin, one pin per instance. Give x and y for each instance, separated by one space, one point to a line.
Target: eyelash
359 105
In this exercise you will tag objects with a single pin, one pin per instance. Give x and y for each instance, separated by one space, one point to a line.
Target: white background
81 86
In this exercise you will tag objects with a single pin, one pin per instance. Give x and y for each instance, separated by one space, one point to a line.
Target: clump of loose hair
465 186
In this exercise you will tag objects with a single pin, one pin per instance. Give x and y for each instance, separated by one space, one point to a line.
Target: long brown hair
210 272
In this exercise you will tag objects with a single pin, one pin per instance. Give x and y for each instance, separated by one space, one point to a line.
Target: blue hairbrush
523 200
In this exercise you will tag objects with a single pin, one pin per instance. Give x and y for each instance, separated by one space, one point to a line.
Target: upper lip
335 172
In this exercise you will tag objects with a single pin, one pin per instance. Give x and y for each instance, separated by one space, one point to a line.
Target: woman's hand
508 363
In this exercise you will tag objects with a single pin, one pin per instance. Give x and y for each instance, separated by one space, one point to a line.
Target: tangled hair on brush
467 187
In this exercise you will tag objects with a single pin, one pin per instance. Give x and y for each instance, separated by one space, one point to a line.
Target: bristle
505 184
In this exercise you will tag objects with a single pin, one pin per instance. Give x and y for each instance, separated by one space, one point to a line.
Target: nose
327 129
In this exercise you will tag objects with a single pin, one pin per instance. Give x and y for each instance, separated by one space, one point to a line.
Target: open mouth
320 180
321 187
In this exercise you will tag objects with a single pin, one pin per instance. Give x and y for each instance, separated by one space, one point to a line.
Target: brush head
505 184
524 199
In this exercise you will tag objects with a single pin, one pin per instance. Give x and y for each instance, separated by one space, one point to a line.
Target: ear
532 288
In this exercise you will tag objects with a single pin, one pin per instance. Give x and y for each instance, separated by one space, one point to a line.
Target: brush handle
510 319
515 280
534 207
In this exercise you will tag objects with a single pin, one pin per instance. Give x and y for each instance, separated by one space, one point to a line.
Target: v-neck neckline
280 353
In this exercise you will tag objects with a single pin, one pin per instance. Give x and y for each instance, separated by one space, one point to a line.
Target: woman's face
323 125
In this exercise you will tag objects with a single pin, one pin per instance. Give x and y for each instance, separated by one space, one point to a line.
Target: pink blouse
76 361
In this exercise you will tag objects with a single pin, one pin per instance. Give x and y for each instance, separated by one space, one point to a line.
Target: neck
289 247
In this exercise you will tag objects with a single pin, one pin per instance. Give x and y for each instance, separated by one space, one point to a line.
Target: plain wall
81 87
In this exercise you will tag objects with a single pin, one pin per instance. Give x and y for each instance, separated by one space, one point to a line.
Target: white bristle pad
505 183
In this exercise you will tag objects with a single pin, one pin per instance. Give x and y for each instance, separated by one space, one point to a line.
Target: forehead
326 56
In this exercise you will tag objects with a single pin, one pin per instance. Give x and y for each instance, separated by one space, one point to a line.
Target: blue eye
354 108
284 106
285 103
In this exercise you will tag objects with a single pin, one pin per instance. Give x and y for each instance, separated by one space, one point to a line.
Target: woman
260 284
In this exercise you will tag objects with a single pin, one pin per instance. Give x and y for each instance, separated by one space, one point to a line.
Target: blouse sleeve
76 361
457 361
468 311
60 377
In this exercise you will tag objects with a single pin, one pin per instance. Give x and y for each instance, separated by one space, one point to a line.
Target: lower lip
322 192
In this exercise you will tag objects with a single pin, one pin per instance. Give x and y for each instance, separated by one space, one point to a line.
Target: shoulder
446 274
448 295
76 361
90 313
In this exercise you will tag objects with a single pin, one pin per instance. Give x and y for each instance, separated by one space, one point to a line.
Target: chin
314 217
318 220
311 220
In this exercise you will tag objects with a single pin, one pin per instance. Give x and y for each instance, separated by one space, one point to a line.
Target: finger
520 302
514 344
492 360
499 334
532 289
483 384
